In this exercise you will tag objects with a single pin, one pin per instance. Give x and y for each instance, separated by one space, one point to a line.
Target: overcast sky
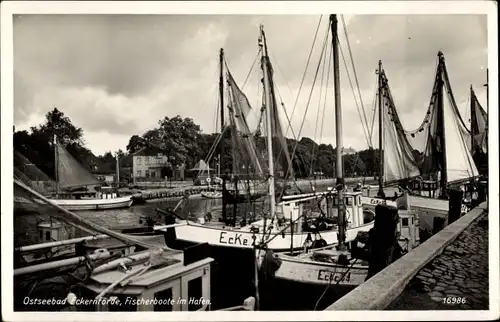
116 76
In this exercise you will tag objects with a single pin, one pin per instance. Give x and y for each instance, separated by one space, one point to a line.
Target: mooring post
455 205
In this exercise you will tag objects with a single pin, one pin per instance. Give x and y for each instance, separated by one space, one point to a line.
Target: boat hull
321 273
324 283
235 238
94 204
372 202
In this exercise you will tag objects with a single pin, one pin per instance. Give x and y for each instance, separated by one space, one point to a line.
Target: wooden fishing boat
112 272
70 173
330 266
339 265
405 160
228 234
307 223
94 204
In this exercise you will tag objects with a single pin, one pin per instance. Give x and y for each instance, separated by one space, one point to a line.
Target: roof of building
148 151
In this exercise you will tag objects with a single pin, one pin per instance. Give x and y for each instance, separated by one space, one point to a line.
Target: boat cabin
49 231
107 193
425 188
169 282
369 191
408 228
293 207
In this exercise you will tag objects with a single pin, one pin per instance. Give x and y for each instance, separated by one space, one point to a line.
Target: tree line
182 141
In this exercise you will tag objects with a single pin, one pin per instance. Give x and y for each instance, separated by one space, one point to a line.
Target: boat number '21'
334 277
235 239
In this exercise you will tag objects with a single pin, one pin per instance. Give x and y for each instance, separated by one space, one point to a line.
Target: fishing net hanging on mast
425 141
479 125
399 156
246 158
281 155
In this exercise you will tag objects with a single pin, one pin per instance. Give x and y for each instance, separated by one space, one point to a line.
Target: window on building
153 174
139 173
47 235
147 173
41 234
404 222
146 159
164 300
348 201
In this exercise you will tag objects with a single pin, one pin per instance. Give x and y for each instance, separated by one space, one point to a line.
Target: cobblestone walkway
458 276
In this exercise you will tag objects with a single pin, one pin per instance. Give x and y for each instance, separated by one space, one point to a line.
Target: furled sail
70 172
281 154
478 125
246 159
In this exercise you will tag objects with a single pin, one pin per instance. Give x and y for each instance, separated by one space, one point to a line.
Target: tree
60 125
37 144
135 144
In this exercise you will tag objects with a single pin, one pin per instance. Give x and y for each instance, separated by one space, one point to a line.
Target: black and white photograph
175 158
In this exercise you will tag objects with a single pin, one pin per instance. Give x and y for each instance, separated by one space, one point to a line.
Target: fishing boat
223 237
70 173
111 271
345 265
428 161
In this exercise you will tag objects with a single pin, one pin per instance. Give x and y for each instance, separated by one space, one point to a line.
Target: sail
246 159
459 162
281 154
478 125
399 159
31 175
71 173
422 147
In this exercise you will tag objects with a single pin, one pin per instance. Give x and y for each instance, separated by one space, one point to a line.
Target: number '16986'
454 300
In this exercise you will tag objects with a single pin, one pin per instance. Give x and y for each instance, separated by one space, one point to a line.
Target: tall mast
117 171
472 119
221 156
444 177
268 102
56 165
338 130
487 104
487 92
380 134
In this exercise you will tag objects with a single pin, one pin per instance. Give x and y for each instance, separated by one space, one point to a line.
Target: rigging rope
305 71
354 94
308 103
354 71
313 159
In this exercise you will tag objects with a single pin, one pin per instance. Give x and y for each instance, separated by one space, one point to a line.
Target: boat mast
440 105
487 92
338 130
487 104
221 156
472 119
117 172
56 165
268 103
380 134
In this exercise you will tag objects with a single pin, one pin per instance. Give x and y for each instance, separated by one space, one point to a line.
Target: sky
118 75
